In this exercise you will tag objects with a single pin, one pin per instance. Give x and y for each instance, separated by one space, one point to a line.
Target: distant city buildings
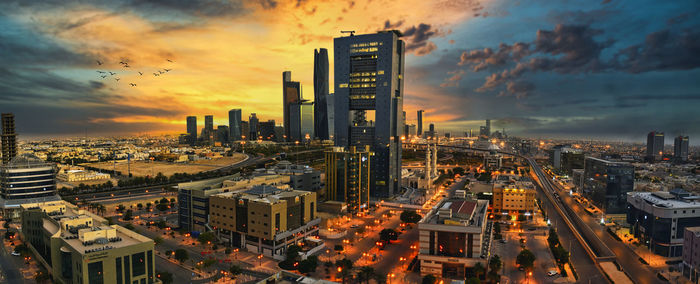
321 118
430 134
691 254
26 179
9 138
76 246
253 127
369 72
192 130
222 133
566 158
267 131
234 124
655 146
420 122
680 148
485 131
348 177
659 219
453 238
607 183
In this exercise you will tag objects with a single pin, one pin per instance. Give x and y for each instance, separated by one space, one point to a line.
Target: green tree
553 239
388 235
525 259
410 216
309 264
365 274
158 240
165 277
181 255
235 270
128 215
473 280
206 237
479 269
121 208
293 253
495 263
429 279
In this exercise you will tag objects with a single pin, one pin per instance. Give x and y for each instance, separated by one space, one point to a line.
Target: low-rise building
513 197
659 219
266 219
691 254
73 175
76 246
348 177
453 237
26 179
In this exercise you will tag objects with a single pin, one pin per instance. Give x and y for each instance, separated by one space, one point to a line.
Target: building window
138 264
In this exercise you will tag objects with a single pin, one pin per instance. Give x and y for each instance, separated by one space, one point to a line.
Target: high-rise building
192 130
26 179
9 137
301 121
488 127
267 130
348 177
607 183
420 122
222 133
655 146
430 134
209 123
691 254
330 109
369 72
76 246
245 130
253 127
208 135
234 124
321 94
680 148
291 93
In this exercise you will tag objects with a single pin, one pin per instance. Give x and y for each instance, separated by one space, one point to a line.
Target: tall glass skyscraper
321 130
420 122
254 127
192 130
680 148
369 85
301 121
291 93
9 137
655 146
234 124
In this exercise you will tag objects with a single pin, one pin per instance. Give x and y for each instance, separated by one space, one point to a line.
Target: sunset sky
569 69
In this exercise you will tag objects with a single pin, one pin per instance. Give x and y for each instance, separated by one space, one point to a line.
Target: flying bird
126 65
98 62
112 73
116 79
167 70
140 73
155 74
103 76
101 72
132 84
160 72
169 60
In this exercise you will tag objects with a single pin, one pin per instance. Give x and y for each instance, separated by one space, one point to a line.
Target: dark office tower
404 131
655 146
348 177
291 94
9 137
209 122
222 133
430 134
420 122
234 124
488 127
680 148
245 130
253 127
321 130
192 130
301 121
369 79
267 130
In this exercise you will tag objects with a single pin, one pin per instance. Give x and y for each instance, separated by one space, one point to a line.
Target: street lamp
260 260
389 276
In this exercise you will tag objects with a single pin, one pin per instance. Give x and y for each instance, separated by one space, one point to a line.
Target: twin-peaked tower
369 86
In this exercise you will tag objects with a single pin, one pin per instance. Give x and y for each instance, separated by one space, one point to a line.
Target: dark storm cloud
576 49
388 25
661 51
21 46
418 39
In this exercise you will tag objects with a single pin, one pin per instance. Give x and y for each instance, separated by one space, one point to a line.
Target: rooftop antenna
352 33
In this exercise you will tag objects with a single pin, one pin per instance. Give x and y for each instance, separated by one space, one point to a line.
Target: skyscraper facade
9 138
234 124
192 130
267 130
420 122
291 94
208 134
655 146
369 79
348 177
680 148
253 127
301 121
607 183
321 130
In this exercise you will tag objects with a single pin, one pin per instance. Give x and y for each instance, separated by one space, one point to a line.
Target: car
503 241
552 273
354 226
521 268
15 253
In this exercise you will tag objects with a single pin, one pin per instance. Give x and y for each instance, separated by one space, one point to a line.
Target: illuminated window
343 85
380 72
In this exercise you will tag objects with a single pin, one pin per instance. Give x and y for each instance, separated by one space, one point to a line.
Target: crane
352 33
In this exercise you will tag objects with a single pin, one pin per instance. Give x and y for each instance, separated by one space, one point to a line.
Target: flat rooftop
265 193
458 212
664 199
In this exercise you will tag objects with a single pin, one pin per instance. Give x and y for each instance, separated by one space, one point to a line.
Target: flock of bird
125 64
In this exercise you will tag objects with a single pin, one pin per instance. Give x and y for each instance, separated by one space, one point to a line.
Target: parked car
552 273
15 253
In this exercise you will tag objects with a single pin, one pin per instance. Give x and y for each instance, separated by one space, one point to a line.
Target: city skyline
494 59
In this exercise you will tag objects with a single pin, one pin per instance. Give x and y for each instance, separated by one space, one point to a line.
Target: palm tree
365 273
478 269
380 278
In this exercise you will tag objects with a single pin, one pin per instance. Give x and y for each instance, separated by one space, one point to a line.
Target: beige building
81 175
348 177
453 237
265 219
76 246
511 197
